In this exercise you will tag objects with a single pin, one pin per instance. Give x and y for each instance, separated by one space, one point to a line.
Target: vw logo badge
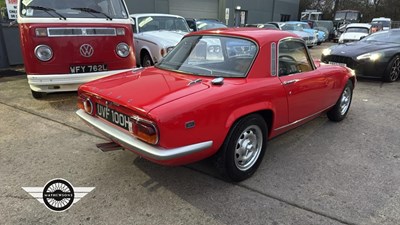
86 50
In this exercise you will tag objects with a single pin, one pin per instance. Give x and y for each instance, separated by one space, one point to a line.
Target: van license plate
88 68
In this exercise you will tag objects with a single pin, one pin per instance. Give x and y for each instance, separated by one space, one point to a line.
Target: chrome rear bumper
136 145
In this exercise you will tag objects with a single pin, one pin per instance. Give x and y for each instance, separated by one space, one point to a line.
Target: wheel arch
353 80
143 51
265 112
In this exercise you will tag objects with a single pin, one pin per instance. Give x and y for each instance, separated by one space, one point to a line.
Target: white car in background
355 32
386 22
155 35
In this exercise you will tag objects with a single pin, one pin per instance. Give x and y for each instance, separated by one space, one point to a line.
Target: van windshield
108 9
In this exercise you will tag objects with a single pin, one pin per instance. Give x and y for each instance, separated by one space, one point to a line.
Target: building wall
259 11
287 7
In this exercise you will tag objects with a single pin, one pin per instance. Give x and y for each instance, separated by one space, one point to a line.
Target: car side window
192 24
293 58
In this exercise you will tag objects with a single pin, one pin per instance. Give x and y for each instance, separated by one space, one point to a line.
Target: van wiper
47 11
91 11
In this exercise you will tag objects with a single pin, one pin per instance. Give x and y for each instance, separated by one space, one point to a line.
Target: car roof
296 22
261 36
153 14
381 19
364 25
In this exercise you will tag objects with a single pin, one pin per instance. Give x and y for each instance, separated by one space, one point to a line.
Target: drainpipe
273 10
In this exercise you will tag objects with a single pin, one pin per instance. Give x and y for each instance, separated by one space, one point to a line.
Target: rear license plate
88 68
338 64
113 116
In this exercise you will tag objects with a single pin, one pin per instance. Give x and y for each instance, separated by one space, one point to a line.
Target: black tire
392 72
38 95
248 136
342 106
319 43
146 60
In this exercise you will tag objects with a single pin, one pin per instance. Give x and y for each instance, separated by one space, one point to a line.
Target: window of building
285 17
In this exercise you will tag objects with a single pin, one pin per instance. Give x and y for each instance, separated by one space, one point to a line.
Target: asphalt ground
319 173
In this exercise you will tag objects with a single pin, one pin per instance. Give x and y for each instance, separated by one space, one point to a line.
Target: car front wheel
146 60
392 72
243 149
342 106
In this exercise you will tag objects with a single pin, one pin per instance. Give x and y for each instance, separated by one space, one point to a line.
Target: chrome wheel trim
345 101
395 70
248 147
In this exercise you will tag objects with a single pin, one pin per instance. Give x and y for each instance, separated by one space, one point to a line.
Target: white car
155 35
355 32
386 22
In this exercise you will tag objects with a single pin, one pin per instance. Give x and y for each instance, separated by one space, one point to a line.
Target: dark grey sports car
375 56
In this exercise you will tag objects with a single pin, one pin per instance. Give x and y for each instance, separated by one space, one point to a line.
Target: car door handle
290 81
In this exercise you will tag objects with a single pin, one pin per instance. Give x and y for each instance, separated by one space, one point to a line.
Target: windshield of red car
216 56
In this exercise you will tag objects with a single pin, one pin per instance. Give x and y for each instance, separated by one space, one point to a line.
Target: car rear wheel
243 149
146 60
392 72
38 95
342 106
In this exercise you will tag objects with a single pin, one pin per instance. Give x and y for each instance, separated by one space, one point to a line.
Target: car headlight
169 49
373 56
122 50
164 52
43 53
326 51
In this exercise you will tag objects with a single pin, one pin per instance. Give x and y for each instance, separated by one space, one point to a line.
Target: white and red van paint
66 43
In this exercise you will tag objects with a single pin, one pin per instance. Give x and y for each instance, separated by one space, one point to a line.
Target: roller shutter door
194 8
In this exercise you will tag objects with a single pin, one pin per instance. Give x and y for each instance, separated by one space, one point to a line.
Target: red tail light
143 129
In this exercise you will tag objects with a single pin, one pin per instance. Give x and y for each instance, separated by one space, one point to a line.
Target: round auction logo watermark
58 194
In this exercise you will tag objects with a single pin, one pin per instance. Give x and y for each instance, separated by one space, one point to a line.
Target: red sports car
223 92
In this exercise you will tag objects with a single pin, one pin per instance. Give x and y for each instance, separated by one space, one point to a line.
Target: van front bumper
65 82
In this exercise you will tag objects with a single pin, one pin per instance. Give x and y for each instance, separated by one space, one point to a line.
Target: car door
307 89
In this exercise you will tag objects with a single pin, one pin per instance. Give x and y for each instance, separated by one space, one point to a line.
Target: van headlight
122 50
43 53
